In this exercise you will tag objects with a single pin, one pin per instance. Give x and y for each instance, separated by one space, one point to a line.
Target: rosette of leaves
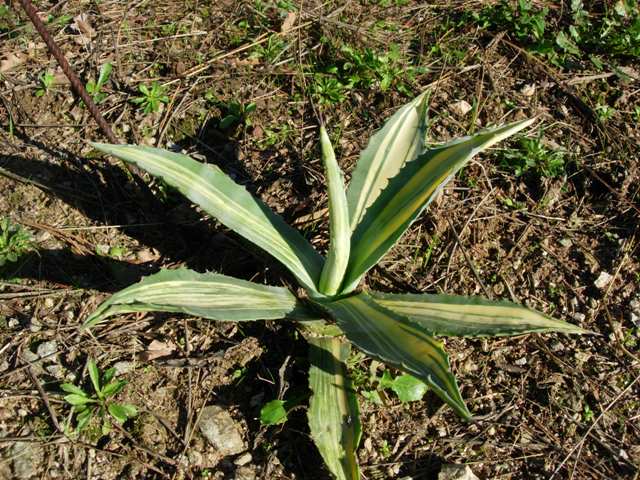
396 177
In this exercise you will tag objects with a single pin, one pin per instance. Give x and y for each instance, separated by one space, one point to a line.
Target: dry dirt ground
550 222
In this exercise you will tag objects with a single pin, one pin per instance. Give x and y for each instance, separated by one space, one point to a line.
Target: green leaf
334 417
338 255
409 193
273 413
207 295
105 73
409 388
83 419
454 315
208 187
399 342
121 412
108 375
113 388
95 375
75 399
400 140
70 388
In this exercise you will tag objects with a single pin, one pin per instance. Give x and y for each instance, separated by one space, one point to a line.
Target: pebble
243 459
456 472
45 349
123 367
35 325
460 108
245 473
221 430
13 323
521 361
27 458
603 280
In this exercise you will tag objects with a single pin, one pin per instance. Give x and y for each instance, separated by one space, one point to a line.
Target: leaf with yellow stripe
409 193
399 342
340 239
400 140
334 418
207 295
210 188
460 316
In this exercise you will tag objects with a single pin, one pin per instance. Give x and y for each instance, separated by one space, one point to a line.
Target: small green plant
46 82
237 113
15 241
533 155
99 405
95 88
151 97
326 89
271 50
396 177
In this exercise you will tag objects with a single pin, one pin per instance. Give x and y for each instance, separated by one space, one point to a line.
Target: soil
546 406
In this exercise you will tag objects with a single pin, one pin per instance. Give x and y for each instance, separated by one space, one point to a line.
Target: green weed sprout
15 241
151 97
100 405
95 88
396 177
46 81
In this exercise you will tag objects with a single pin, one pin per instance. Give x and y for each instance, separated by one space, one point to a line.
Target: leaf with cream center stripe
334 417
460 316
397 341
409 193
207 295
210 188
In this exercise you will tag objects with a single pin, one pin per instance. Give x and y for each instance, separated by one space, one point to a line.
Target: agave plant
396 177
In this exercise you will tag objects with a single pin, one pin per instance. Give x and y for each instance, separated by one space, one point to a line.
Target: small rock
579 317
13 323
123 367
528 90
35 325
47 349
634 314
56 371
456 472
603 280
521 361
27 459
243 459
557 347
217 425
460 108
245 473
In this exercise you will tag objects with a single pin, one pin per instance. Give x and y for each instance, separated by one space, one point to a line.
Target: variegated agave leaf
409 193
206 295
399 342
334 417
208 187
459 316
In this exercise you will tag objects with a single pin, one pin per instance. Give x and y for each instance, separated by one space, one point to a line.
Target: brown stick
76 84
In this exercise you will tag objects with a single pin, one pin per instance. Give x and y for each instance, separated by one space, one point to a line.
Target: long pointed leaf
207 295
338 256
230 203
395 340
454 315
409 193
400 140
334 418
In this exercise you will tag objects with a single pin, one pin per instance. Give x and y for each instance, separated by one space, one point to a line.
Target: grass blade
409 193
400 140
393 339
454 315
338 256
333 414
207 295
211 189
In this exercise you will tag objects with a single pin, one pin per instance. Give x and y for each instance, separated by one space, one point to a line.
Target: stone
456 472
123 367
460 108
603 280
245 473
221 430
47 349
243 459
27 459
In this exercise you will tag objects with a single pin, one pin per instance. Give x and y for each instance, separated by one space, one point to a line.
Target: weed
271 50
95 88
15 241
395 179
46 82
605 112
533 155
326 89
151 97
99 405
